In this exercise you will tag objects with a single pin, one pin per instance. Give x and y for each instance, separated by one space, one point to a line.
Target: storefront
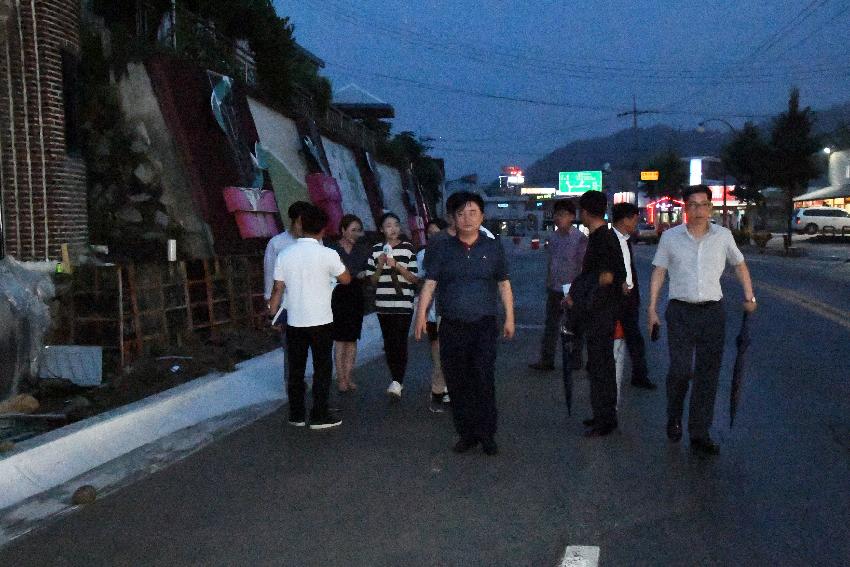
838 192
512 215
665 212
826 197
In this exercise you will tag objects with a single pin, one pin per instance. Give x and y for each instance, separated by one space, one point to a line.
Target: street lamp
827 150
701 129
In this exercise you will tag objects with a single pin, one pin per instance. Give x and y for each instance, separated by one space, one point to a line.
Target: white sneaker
394 389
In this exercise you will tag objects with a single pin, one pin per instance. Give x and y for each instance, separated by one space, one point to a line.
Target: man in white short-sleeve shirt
306 270
695 255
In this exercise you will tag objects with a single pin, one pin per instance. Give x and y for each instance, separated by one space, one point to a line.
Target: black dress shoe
600 430
646 384
705 446
464 445
541 366
674 430
489 447
588 422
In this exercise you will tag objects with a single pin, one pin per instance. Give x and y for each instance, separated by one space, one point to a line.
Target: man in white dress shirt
695 255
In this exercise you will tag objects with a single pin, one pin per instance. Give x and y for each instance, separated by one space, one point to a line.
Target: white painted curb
56 457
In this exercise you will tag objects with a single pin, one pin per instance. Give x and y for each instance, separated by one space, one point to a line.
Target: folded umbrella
743 343
567 337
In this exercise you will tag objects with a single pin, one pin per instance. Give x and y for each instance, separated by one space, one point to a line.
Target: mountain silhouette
620 151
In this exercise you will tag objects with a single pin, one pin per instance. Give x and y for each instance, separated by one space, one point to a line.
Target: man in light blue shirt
695 255
564 254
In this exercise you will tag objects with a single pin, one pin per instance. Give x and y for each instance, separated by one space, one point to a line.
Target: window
71 100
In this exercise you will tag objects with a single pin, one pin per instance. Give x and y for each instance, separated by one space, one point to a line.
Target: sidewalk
38 477
816 247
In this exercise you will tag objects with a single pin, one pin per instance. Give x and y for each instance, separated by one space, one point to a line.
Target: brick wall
43 187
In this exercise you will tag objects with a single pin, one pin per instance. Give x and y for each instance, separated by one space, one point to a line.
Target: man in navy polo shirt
470 275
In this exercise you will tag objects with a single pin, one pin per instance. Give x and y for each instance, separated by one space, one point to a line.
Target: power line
436 87
773 38
830 20
448 88
562 130
593 72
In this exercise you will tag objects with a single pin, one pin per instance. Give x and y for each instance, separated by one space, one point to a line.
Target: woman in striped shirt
393 271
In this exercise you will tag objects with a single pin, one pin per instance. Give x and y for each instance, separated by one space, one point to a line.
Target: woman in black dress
347 300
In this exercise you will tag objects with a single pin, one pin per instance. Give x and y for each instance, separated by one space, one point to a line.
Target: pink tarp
255 211
325 194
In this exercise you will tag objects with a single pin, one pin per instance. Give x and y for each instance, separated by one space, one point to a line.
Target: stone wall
42 180
161 170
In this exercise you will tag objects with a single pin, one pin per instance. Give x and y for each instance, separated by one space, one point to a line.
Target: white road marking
834 314
528 326
581 556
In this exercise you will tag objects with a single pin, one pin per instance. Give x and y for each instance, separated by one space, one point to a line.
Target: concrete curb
47 461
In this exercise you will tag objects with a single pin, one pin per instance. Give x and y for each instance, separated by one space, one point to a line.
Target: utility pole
635 148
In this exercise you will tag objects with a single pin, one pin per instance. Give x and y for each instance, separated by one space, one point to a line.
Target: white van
813 219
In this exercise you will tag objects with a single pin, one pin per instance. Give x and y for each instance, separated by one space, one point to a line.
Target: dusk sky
506 82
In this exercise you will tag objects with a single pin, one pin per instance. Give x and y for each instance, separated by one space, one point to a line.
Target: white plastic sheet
24 294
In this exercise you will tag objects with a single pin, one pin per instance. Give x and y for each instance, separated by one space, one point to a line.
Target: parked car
646 232
812 220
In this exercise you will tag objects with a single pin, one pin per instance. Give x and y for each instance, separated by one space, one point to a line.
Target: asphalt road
385 489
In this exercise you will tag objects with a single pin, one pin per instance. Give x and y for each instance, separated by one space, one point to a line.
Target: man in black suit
604 268
625 220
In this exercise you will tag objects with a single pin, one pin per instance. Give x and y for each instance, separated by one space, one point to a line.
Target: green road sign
577 182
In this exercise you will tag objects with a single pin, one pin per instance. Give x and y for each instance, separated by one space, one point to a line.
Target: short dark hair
694 189
347 220
622 211
297 209
462 198
451 203
564 205
439 223
386 216
313 219
594 202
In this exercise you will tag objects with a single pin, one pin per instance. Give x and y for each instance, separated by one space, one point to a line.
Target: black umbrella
743 343
567 337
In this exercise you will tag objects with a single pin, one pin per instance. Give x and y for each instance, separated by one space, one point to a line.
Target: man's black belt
695 303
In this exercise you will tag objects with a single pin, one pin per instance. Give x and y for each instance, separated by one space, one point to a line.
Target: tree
672 175
747 157
794 151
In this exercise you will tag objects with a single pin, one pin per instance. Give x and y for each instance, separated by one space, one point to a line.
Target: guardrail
832 231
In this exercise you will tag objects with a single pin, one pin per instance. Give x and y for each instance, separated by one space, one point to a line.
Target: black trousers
394 328
630 319
601 367
468 357
551 330
695 337
300 340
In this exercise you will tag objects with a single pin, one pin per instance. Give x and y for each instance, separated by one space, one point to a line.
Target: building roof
826 193
360 103
360 110
310 56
